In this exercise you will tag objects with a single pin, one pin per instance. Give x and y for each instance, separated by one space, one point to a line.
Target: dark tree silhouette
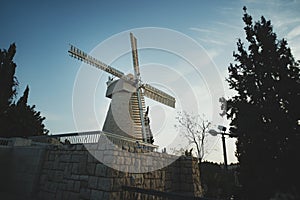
218 183
26 121
16 119
265 112
8 81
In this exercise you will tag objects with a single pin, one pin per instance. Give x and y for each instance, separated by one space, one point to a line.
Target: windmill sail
138 84
82 56
135 57
158 95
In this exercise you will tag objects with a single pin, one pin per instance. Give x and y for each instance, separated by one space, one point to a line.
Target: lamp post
223 133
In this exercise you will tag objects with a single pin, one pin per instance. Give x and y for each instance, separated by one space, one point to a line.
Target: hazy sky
42 31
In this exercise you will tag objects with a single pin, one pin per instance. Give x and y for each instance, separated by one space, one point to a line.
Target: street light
223 133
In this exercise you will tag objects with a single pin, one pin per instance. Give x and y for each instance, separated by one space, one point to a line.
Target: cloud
212 41
295 32
229 25
211 36
203 30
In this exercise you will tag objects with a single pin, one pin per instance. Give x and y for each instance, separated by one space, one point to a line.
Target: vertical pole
224 151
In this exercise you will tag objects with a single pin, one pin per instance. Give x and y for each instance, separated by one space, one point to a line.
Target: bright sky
42 31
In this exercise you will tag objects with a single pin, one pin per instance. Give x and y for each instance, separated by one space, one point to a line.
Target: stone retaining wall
20 170
72 172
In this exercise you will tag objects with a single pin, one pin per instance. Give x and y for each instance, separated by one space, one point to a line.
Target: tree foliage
217 182
16 118
265 111
8 81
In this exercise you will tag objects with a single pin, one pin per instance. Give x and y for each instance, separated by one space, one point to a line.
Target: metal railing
91 137
5 141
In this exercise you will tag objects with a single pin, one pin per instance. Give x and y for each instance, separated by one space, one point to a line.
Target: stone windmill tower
127 115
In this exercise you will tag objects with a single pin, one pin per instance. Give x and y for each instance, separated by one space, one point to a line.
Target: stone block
120 161
127 160
51 175
96 195
51 187
137 163
104 184
85 193
147 183
62 166
101 170
163 175
90 168
75 167
115 195
106 195
92 182
76 186
59 176
75 177
70 185
187 171
91 159
48 196
83 178
79 147
74 195
51 157
43 179
62 186
82 168
109 159
84 184
152 184
116 152
158 183
56 164
48 165
117 184
59 195
90 146
99 155
76 158
66 158
66 195
84 157
123 168
20 142
67 173
112 172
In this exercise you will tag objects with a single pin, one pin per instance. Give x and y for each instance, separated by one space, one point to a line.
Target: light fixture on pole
222 132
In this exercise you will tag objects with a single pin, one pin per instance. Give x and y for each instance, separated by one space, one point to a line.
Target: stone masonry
71 172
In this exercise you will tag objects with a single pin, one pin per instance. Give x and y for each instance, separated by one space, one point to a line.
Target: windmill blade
138 83
158 95
135 57
82 56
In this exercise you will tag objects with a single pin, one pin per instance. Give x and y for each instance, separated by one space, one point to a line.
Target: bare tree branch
194 128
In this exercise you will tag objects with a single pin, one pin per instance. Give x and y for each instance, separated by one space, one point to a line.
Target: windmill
127 115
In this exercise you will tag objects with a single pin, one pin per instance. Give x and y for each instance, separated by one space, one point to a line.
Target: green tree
16 119
265 112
